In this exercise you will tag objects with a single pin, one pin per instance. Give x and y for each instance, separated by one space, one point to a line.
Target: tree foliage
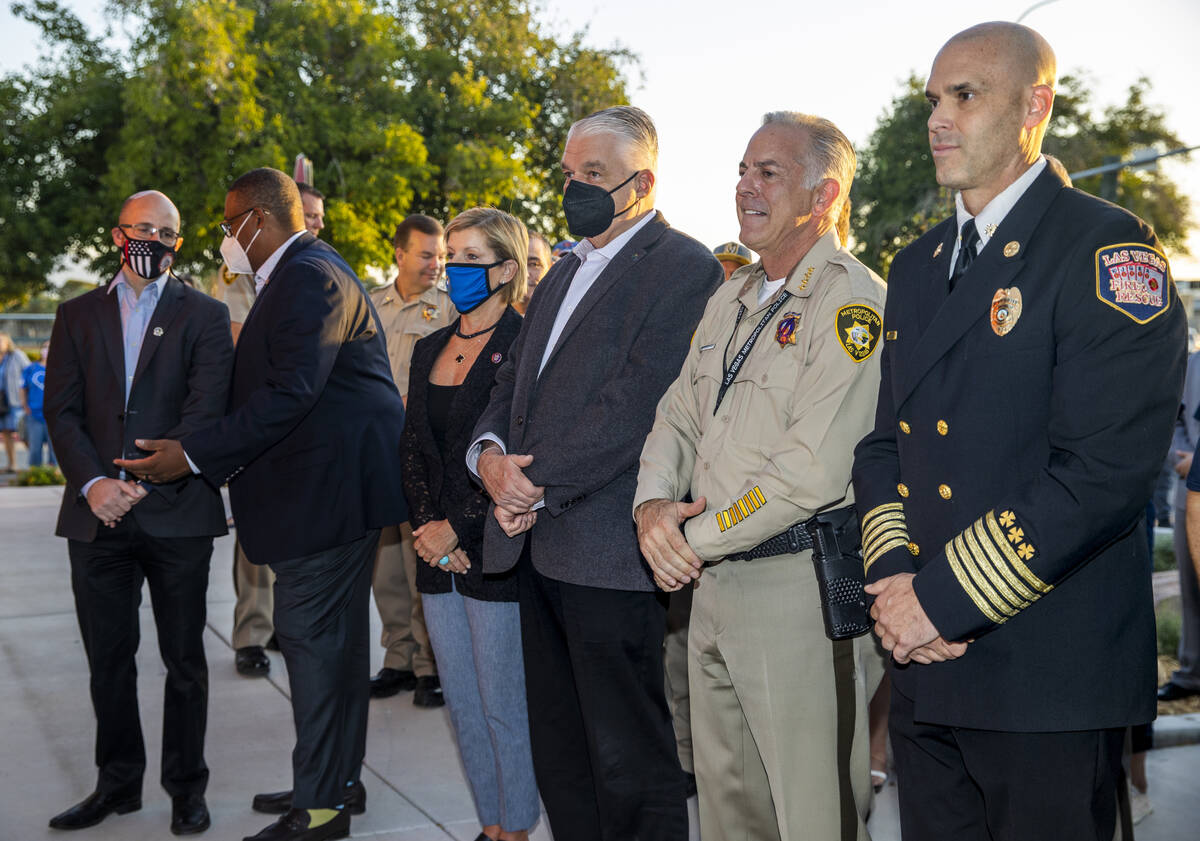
896 196
402 105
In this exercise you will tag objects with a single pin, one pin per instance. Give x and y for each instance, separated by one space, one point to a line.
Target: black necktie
968 239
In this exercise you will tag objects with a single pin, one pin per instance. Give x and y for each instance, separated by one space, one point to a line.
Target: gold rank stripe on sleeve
988 562
883 529
742 508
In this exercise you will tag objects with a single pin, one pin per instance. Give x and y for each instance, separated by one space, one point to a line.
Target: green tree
896 196
402 105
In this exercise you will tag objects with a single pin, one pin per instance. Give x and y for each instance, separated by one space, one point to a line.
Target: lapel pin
937 250
990 230
497 358
158 331
1012 248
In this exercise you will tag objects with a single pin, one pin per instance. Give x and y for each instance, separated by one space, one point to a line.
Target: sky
710 69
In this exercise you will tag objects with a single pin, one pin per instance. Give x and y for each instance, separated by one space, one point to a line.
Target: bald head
150 207
1022 54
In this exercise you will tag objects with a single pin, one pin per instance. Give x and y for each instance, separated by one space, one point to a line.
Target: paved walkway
415 785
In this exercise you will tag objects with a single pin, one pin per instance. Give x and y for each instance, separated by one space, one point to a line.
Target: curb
1172 731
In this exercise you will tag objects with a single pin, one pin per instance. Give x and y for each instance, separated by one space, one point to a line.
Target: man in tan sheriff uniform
762 435
409 309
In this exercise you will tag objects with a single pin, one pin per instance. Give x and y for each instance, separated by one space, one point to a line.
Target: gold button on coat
944 490
943 427
902 489
905 428
914 548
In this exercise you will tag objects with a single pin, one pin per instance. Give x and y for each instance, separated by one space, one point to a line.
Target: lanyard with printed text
736 365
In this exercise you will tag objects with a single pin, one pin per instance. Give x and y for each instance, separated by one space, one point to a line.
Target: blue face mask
469 284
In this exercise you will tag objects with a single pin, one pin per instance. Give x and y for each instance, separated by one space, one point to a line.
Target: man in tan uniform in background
778 710
409 308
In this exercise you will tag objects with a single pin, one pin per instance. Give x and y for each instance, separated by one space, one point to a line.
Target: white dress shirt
993 213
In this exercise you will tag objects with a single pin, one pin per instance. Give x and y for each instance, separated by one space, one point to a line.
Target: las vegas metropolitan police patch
858 329
1134 278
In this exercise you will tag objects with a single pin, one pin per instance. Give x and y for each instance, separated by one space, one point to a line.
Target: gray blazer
584 419
1187 427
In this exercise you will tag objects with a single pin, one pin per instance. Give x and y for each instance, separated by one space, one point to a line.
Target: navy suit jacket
179 386
311 442
585 417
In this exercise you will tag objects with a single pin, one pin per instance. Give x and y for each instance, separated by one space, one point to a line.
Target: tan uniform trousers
675 674
773 760
254 610
404 638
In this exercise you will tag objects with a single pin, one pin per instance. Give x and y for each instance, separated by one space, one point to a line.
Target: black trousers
603 747
106 578
321 623
985 785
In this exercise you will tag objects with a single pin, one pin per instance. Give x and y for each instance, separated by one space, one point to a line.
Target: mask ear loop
636 198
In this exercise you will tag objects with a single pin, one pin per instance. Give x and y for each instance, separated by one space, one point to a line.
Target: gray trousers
1188 673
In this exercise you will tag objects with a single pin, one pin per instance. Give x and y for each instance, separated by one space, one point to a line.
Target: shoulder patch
1134 278
858 329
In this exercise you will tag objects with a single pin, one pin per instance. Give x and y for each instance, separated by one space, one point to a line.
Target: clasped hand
436 540
112 499
504 479
903 626
661 539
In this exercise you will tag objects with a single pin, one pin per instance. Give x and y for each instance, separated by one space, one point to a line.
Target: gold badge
858 329
892 335
1006 309
937 250
1012 248
429 312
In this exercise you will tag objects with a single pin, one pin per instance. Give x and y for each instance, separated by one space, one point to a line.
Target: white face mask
234 255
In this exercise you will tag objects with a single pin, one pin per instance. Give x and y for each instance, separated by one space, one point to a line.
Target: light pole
1025 13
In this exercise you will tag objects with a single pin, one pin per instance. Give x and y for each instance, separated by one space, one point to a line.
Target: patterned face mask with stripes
148 258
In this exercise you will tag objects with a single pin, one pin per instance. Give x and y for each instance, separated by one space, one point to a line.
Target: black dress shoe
428 692
280 802
391 681
1172 691
96 808
294 827
252 661
189 814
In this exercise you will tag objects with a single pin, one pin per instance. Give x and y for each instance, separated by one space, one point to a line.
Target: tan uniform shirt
405 323
238 294
781 444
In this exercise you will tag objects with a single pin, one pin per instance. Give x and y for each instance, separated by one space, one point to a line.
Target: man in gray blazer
557 450
1185 681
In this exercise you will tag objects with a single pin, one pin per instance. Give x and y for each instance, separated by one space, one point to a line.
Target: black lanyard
736 365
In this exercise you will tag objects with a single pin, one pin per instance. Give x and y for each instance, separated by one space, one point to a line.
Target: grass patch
1164 551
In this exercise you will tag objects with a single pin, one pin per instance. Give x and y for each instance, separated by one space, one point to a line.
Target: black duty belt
795 539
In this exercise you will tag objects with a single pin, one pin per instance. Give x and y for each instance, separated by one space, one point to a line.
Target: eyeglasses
227 225
145 231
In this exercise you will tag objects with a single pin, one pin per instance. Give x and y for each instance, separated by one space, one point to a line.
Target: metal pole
1025 13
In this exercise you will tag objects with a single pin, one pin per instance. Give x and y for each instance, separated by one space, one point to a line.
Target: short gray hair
828 153
632 124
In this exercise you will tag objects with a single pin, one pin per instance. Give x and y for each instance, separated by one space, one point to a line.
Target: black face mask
148 258
590 209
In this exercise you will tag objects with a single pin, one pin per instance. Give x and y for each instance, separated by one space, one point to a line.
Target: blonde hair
506 236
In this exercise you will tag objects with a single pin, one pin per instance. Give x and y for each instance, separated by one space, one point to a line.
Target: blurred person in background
13 362
33 394
313 201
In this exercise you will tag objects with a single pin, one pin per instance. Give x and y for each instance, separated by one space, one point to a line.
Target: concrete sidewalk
415 785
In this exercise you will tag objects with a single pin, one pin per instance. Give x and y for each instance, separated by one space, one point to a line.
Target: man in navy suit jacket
310 448
144 356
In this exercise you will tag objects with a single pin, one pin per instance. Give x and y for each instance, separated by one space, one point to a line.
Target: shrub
1169 624
43 474
1164 550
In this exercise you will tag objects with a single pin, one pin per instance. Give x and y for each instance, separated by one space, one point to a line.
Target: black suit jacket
311 443
436 482
180 385
585 417
1010 471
